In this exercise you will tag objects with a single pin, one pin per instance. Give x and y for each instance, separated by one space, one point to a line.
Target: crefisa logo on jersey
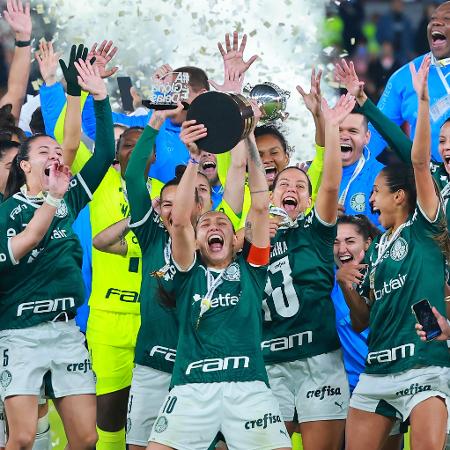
5 378
399 249
358 202
161 424
232 273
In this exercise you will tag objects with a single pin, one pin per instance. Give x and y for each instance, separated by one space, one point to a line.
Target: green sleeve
389 131
84 184
138 195
315 172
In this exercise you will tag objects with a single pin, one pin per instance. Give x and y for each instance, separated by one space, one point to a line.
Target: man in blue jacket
359 167
399 101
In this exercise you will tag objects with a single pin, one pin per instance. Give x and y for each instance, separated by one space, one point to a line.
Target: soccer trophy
168 91
229 117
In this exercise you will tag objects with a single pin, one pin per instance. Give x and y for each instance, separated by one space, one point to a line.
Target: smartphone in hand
424 315
124 89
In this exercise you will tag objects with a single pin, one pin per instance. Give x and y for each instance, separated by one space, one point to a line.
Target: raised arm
388 130
95 169
257 222
427 196
234 66
112 239
182 231
327 197
34 232
136 173
19 20
234 188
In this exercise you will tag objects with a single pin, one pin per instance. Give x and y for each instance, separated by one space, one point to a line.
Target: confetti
184 32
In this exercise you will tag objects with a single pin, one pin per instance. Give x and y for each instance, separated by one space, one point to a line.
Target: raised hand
420 77
70 72
137 99
190 133
90 80
48 62
19 19
350 275
161 73
346 74
234 65
58 180
335 116
159 116
103 55
313 99
443 324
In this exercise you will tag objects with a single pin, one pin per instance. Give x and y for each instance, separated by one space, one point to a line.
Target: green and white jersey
442 179
47 280
224 344
403 270
158 335
299 318
1 198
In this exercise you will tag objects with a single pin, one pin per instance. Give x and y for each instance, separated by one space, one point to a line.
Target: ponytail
16 177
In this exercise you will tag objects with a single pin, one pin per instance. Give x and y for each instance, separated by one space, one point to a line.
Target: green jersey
442 179
158 334
48 281
222 342
403 270
299 318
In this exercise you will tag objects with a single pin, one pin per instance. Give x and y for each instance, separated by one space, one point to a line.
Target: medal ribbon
212 285
357 171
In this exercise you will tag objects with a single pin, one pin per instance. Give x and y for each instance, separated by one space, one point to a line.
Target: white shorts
149 388
246 413
51 353
317 387
395 395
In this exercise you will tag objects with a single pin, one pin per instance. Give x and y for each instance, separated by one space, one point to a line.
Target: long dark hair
401 176
16 177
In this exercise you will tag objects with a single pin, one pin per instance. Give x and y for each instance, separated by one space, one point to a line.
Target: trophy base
227 117
162 106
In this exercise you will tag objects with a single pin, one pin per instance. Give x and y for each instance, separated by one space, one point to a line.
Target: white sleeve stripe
143 220
85 186
323 222
11 255
426 217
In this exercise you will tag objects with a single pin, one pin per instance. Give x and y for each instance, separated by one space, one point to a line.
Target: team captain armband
256 256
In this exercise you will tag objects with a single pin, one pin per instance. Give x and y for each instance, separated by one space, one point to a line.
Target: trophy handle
286 94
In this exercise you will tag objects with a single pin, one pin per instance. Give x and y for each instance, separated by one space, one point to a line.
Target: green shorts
149 389
316 387
51 354
246 413
395 395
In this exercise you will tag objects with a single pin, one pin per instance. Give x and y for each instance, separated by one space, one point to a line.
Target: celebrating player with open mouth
41 283
219 379
404 377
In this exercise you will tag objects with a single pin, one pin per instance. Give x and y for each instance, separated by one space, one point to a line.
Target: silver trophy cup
271 99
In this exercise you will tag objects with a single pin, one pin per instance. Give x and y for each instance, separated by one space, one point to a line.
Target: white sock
42 441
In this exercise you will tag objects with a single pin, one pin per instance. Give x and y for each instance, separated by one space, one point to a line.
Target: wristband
52 201
22 43
193 161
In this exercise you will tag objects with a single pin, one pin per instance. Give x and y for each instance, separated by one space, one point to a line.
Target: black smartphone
124 89
424 315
